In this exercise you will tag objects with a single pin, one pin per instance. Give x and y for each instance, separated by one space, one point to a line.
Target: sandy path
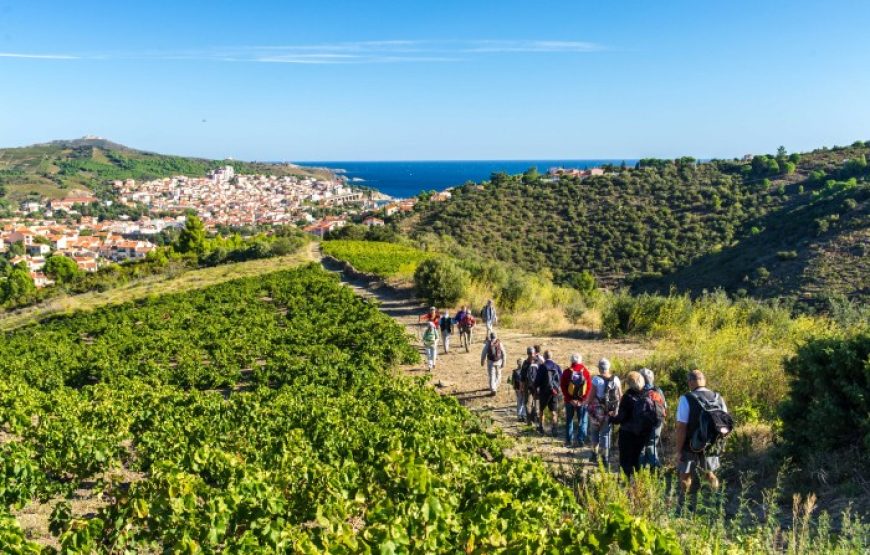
460 374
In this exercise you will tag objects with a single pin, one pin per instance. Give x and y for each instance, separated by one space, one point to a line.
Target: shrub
830 396
440 281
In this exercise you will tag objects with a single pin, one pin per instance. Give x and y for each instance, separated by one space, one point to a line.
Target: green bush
829 403
440 281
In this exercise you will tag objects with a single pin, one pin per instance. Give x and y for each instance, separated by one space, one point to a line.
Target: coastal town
49 227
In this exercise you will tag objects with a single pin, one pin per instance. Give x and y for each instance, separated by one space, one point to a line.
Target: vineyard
386 260
262 415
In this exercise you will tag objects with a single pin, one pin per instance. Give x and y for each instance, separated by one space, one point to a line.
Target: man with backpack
576 386
430 344
638 418
519 383
489 316
650 456
529 374
548 384
603 406
446 324
703 423
494 356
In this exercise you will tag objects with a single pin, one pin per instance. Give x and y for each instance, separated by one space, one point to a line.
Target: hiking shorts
549 402
697 461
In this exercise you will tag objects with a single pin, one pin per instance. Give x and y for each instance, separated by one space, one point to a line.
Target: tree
192 237
440 281
18 285
781 152
61 269
531 175
830 396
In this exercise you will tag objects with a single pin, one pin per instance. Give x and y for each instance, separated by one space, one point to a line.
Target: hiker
528 373
488 315
703 423
431 316
576 386
519 383
650 456
603 406
460 316
430 343
638 419
493 355
548 382
465 321
446 330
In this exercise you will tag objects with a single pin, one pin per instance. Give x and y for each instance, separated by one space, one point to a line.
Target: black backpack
713 424
611 395
645 414
532 375
554 376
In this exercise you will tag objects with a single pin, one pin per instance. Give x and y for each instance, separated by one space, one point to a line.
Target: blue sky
374 80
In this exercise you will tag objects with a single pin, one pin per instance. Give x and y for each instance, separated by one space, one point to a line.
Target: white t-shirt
683 407
598 384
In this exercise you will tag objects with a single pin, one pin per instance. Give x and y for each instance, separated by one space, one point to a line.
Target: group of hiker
594 404
440 326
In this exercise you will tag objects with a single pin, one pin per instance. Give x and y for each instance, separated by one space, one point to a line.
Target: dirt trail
460 374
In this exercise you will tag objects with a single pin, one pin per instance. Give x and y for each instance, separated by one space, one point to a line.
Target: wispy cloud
38 56
499 46
353 52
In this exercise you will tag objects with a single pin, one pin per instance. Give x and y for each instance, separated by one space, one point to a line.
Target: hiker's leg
685 482
569 421
625 454
582 424
686 466
520 403
604 439
594 430
712 480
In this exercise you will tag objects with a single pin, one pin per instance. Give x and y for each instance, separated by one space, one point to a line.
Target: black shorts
550 401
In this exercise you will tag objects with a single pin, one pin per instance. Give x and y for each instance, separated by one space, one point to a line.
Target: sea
409 178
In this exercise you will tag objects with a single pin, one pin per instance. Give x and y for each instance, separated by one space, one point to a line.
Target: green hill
55 169
772 225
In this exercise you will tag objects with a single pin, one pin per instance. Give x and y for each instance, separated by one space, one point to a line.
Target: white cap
604 365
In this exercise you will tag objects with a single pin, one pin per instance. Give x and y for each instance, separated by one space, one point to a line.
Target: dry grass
158 285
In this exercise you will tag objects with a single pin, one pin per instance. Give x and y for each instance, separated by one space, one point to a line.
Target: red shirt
566 380
435 319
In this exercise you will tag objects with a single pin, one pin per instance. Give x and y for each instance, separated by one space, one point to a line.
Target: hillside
58 168
772 226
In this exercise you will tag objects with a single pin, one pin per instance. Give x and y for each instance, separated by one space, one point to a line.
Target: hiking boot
540 429
568 445
555 431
